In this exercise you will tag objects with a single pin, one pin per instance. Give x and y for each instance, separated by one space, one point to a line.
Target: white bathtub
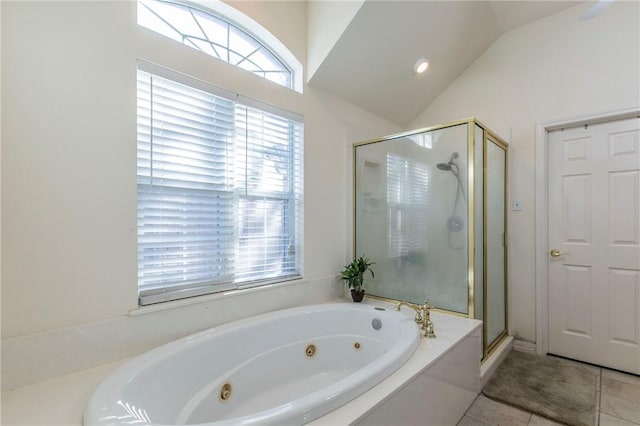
285 367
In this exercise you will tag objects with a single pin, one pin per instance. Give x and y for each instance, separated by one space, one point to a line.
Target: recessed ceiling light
421 65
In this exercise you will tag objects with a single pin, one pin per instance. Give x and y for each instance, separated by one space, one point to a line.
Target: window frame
294 196
241 22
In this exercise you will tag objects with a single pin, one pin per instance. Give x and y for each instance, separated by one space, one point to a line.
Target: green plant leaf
354 272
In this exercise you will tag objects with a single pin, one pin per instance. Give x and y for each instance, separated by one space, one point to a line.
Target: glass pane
215 30
264 234
251 67
199 229
147 18
495 205
479 223
281 77
206 32
411 217
234 58
241 43
266 61
203 45
175 15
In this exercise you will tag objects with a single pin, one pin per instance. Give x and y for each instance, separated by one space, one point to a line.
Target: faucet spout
413 306
423 316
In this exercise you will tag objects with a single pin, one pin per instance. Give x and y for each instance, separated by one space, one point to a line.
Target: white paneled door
594 243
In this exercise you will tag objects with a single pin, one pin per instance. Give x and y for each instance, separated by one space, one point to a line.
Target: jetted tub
285 367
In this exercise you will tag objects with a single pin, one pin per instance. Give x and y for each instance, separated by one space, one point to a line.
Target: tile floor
618 404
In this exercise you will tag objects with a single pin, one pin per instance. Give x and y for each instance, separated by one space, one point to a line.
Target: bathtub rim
399 353
451 330
61 399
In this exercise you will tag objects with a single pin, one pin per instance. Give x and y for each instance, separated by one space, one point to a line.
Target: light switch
516 205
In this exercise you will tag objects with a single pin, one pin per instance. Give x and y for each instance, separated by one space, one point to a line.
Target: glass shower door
495 297
411 201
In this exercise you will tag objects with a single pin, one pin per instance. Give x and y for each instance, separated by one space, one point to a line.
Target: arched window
219 175
215 36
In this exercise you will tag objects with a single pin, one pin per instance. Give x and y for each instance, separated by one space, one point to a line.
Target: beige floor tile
607 420
593 368
599 380
627 410
598 399
541 421
622 377
497 414
614 387
470 421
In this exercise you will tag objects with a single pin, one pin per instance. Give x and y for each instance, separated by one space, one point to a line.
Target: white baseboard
524 346
491 364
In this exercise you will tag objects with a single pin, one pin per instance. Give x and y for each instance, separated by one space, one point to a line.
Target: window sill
141 310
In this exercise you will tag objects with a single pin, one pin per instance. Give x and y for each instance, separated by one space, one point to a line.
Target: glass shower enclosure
430 211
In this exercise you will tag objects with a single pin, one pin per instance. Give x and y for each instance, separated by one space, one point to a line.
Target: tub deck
61 401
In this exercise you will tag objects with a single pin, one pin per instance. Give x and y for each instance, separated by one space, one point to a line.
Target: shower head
447 166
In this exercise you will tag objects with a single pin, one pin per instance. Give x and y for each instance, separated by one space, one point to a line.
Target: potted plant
353 274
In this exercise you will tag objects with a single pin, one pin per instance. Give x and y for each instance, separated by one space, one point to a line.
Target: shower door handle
557 253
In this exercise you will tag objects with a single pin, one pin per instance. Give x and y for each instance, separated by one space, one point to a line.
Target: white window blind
219 192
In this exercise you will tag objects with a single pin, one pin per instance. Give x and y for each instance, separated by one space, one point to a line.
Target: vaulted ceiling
371 64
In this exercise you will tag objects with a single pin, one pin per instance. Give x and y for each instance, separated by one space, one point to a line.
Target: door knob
556 253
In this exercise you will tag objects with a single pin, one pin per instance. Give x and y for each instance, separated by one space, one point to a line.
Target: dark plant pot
357 296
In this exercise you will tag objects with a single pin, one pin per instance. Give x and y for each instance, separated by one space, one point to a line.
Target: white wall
326 21
68 168
555 68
